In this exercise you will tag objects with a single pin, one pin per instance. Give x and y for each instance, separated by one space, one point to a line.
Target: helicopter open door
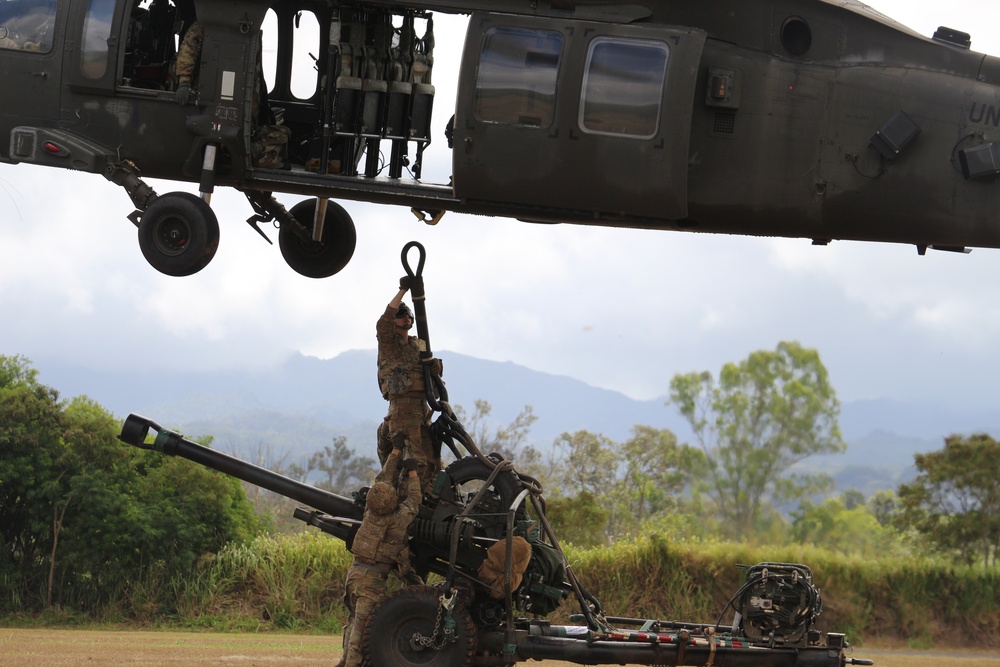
576 120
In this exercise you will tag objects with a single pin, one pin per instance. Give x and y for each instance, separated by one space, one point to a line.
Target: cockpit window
96 32
516 83
623 87
27 25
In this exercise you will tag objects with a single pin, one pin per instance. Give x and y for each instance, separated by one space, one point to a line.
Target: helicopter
815 119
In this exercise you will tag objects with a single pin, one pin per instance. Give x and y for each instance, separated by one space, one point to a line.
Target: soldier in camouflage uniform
269 142
188 57
380 547
401 380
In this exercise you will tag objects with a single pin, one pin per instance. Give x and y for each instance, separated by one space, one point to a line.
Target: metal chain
448 633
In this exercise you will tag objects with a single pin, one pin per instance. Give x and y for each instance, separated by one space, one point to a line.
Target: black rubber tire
178 234
464 474
410 611
319 260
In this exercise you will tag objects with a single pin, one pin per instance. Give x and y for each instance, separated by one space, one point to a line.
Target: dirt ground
75 648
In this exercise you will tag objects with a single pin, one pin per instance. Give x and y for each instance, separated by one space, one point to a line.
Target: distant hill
298 407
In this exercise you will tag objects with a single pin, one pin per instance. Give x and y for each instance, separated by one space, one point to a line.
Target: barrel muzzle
135 431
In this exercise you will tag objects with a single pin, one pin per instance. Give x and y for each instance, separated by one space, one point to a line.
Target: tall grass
296 582
923 601
274 582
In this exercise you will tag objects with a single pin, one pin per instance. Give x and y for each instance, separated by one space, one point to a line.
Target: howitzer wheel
407 630
178 234
468 475
319 260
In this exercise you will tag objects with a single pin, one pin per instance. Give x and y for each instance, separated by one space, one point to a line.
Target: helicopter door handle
42 74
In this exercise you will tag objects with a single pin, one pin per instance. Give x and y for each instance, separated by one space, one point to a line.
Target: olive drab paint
814 119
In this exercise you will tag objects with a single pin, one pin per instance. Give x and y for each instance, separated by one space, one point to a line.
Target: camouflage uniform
401 380
380 547
189 54
269 142
269 146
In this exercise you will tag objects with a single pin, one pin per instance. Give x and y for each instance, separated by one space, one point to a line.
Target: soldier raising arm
380 547
401 381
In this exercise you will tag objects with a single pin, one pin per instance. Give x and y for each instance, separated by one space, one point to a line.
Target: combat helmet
381 498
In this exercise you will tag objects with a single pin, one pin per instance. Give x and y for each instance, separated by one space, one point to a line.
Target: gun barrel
136 429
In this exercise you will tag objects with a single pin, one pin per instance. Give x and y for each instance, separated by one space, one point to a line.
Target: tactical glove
183 93
410 464
404 282
436 367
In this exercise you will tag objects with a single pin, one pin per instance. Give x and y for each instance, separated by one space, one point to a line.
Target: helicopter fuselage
806 119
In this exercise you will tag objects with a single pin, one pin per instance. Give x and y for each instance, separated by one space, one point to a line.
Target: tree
655 471
590 463
630 483
344 471
884 505
30 479
763 415
83 517
509 440
580 520
842 524
954 502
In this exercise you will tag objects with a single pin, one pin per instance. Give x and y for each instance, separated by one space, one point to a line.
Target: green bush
295 583
918 601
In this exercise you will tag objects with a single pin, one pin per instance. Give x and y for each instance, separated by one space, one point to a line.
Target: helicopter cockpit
27 25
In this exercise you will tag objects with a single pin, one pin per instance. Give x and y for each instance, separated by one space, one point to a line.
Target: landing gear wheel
467 476
401 628
319 260
178 234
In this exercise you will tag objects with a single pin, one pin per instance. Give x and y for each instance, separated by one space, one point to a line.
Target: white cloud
625 309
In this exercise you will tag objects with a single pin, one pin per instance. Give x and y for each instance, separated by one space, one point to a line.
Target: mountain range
299 406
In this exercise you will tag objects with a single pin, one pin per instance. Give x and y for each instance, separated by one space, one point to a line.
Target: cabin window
151 44
289 42
623 87
305 42
516 83
27 25
269 48
96 32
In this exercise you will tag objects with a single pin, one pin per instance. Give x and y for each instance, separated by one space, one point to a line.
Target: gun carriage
479 501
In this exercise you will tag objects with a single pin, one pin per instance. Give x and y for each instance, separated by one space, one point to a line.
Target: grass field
72 648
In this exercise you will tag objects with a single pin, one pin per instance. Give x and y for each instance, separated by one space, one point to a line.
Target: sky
616 308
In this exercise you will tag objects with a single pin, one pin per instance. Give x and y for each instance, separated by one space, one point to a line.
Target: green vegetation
955 500
295 583
86 523
922 600
94 531
761 417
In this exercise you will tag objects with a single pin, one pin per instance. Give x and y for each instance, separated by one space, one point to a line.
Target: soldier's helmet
404 311
382 498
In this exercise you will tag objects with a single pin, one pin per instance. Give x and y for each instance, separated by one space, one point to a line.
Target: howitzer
479 504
